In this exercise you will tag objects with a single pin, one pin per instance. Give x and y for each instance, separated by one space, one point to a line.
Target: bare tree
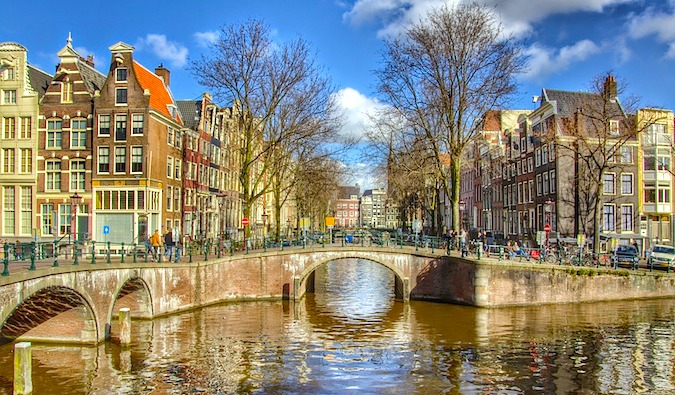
442 76
600 140
283 97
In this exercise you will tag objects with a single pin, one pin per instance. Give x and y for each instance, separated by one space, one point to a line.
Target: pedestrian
18 250
462 243
156 242
169 244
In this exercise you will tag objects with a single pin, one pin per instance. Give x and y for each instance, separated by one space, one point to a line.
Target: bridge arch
53 313
304 280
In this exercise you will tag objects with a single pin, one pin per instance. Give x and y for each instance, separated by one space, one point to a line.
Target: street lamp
75 201
462 206
264 219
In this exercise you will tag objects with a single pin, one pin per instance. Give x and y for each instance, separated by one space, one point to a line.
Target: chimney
610 88
90 60
164 74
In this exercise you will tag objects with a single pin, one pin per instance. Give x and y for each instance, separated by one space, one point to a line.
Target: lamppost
264 219
462 206
75 201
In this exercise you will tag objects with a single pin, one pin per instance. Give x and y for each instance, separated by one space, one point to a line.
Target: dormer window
121 74
7 73
614 127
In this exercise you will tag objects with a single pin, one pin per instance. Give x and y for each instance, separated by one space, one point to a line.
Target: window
54 133
537 157
626 154
627 184
26 165
9 97
137 124
8 74
121 96
64 218
121 74
614 127
177 167
551 152
8 128
609 184
546 183
121 127
523 144
136 159
176 199
608 218
544 155
627 218
8 209
66 92
46 218
169 198
538 180
552 180
120 159
104 125
77 175
530 164
664 193
169 136
103 159
78 133
663 159
26 128
8 164
649 192
169 167
26 219
53 175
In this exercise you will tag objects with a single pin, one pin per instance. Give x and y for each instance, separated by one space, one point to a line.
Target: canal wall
492 283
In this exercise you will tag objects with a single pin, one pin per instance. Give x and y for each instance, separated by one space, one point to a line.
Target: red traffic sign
244 221
547 228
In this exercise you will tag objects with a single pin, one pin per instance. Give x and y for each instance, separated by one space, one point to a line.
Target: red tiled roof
160 97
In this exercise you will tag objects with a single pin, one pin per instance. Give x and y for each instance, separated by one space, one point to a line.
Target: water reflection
352 336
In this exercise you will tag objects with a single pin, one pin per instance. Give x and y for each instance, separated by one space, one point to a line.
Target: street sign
547 228
244 221
106 229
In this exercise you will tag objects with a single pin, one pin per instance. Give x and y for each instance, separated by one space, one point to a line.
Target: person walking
156 242
169 244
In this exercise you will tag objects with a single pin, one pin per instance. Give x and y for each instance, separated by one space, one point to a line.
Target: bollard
190 252
32 256
206 251
501 252
5 260
108 261
93 252
56 255
23 369
125 326
122 261
75 262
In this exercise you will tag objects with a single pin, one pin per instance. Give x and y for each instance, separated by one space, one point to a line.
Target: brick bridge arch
95 293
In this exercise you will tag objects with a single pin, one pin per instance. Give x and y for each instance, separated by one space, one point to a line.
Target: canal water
352 337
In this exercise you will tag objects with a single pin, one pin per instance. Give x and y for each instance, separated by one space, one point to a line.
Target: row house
347 207
655 175
373 208
212 205
137 140
65 147
21 88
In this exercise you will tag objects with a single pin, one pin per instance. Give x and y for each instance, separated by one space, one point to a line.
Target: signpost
244 223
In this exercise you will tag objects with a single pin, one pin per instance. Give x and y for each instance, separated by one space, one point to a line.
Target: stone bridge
79 303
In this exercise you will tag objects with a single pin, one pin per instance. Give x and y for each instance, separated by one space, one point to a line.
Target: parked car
625 255
662 257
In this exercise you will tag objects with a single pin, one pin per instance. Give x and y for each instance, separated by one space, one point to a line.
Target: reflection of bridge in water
78 303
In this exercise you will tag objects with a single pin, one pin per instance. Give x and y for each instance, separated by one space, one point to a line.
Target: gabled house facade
65 148
21 87
137 182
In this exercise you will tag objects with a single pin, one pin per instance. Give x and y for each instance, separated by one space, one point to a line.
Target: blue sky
568 41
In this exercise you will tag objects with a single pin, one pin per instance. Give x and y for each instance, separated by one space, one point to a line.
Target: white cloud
164 49
204 39
516 15
659 24
357 109
545 61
